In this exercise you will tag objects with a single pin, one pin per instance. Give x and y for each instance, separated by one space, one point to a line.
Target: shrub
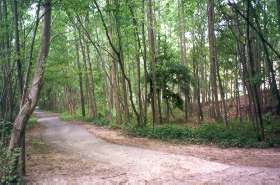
235 135
5 130
97 121
8 167
65 116
100 122
32 122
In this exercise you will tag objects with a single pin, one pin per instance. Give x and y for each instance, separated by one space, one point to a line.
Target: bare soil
67 153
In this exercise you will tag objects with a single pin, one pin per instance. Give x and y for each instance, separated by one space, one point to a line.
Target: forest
188 71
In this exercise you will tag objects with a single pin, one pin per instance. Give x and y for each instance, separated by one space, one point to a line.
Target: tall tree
183 49
152 48
213 59
17 43
31 101
80 75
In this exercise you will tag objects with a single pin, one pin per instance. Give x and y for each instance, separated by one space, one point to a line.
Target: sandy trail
120 164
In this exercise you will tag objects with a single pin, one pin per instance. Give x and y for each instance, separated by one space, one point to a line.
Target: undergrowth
235 135
8 167
31 122
100 121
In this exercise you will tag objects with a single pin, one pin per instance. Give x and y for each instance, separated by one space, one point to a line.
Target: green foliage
8 166
165 132
5 130
171 73
236 135
32 122
100 121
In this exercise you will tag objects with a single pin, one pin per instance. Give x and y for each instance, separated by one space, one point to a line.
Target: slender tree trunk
119 57
120 45
80 75
138 64
252 73
85 66
17 44
145 62
91 98
222 97
116 98
28 107
269 63
20 76
213 58
30 57
183 50
153 62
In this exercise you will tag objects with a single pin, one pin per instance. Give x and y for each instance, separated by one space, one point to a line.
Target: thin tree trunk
145 62
183 52
120 47
28 107
85 69
91 98
116 52
80 75
153 62
269 63
25 86
17 44
252 73
213 58
138 65
116 98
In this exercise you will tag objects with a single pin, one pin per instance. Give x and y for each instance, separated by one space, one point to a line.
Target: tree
213 59
183 52
152 51
37 82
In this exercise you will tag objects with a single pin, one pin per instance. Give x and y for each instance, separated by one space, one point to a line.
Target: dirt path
96 161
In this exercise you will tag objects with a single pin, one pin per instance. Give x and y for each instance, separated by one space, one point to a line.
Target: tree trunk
80 75
213 58
252 73
119 59
29 105
153 62
120 47
115 93
30 57
138 64
17 43
91 98
145 62
183 52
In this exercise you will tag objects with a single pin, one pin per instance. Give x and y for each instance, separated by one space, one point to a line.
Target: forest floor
76 153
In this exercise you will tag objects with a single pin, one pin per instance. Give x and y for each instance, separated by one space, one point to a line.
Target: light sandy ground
96 161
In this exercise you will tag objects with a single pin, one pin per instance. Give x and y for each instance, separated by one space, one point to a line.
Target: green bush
100 122
32 122
96 121
5 130
65 116
8 167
